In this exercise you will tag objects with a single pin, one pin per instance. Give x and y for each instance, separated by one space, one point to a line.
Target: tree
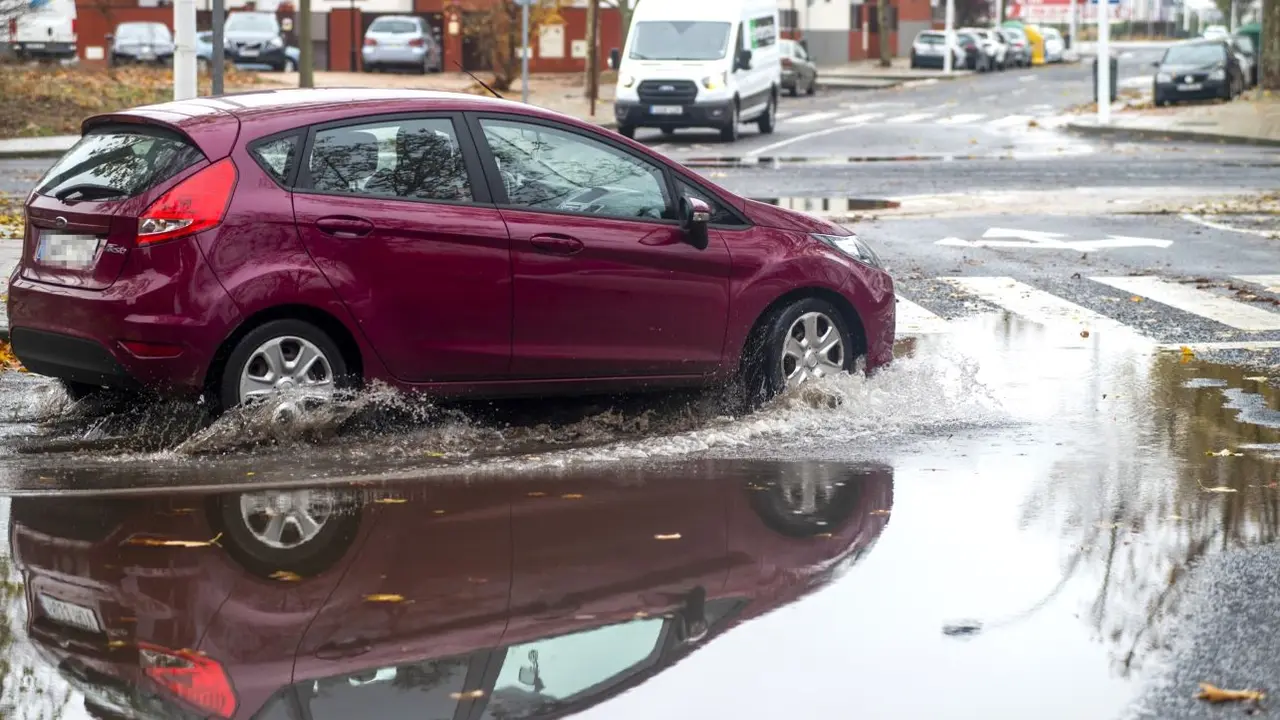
1269 71
882 23
498 36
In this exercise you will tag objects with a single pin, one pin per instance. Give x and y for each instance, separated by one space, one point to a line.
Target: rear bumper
61 50
69 358
394 56
275 57
709 115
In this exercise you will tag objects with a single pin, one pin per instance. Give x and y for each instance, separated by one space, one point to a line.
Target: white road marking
858 119
915 320
1270 282
782 115
811 117
961 119
1010 120
1197 302
909 118
1206 347
1026 78
1041 307
1222 226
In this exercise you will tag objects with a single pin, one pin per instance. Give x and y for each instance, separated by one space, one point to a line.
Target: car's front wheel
289 363
806 341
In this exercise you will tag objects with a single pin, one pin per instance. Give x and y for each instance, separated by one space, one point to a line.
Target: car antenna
473 77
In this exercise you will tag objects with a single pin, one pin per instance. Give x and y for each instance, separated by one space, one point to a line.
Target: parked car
401 41
281 618
1019 46
1247 53
1054 46
204 54
994 48
254 38
928 50
798 71
147 43
42 31
1216 32
299 241
975 54
1198 70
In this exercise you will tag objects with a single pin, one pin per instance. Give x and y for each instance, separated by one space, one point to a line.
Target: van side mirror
695 216
744 60
615 59
1155 64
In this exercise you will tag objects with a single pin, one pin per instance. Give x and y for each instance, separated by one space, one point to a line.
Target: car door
604 283
391 211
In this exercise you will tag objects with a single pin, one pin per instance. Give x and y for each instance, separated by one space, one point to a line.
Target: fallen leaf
117 644
157 542
1136 298
250 474
384 597
1257 378
880 512
390 501
1224 452
571 496
433 454
285 576
1084 333
1216 694
672 536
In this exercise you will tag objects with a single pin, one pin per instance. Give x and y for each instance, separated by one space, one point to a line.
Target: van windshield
672 40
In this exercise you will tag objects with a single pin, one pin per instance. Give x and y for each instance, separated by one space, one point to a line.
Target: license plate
1190 86
69 251
34 46
249 53
65 613
666 109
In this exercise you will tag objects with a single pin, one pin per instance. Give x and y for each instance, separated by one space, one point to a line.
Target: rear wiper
86 189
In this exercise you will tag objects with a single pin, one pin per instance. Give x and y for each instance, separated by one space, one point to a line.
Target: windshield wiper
101 192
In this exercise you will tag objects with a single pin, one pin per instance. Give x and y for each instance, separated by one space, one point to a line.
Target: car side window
429 690
275 156
409 159
720 215
544 168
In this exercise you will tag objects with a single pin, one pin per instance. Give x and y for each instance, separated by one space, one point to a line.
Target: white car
927 51
993 45
1054 45
1216 32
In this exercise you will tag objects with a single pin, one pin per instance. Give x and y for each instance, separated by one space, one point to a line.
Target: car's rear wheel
805 341
289 363
303 532
729 132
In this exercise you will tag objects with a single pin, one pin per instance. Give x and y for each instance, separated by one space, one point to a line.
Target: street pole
951 37
1071 29
999 12
354 65
524 51
184 54
217 61
1104 62
306 53
593 53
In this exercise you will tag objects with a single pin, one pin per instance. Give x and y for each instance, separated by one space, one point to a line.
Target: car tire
294 546
783 507
794 90
290 337
290 65
627 131
770 356
731 132
768 121
668 131
813 85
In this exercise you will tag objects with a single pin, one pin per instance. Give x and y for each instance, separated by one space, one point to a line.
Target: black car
254 38
1198 70
798 71
975 54
140 43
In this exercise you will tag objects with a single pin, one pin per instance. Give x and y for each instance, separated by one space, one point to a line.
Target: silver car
401 41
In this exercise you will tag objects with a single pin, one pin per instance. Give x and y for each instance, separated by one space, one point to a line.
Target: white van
47 31
698 63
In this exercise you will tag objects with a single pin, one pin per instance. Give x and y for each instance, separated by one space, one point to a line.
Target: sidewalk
899 71
10 252
53 146
1248 120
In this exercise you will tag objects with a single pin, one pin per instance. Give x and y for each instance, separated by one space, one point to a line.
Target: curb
30 154
1154 134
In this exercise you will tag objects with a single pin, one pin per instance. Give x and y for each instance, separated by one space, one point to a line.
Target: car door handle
556 244
344 226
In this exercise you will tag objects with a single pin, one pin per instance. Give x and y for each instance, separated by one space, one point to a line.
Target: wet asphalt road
1044 463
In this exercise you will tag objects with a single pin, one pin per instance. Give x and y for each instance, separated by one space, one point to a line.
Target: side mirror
695 215
615 59
744 60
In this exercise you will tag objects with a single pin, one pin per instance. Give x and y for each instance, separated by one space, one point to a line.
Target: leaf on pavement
1257 378
390 501
669 536
1224 452
285 576
157 542
384 597
1216 694
1136 298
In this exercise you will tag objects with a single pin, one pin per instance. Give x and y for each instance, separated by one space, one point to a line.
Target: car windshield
251 22
396 27
142 32
929 39
672 40
1194 54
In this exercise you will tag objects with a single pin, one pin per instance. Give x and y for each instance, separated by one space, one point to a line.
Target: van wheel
806 341
768 120
729 133
290 363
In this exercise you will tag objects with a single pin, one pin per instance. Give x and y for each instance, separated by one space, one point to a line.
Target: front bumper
632 113
1208 89
275 57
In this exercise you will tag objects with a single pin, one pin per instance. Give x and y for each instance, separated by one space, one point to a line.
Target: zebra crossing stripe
913 319
1193 300
782 115
811 117
858 119
909 118
1041 307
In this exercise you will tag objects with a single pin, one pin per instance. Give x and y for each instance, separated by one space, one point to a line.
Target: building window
790 19
870 13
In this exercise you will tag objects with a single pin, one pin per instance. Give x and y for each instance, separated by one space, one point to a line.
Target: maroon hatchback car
282 244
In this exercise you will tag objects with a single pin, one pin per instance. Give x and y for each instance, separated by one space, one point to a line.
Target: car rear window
118 164
930 39
394 26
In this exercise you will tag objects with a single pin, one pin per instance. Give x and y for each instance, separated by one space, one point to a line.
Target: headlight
275 42
1164 77
852 246
626 80
1218 74
715 82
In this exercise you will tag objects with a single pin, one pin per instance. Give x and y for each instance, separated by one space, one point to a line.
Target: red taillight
786 63
73 27
197 679
417 42
195 204
146 350
370 42
13 28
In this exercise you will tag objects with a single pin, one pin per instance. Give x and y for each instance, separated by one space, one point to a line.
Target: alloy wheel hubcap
290 369
813 349
285 520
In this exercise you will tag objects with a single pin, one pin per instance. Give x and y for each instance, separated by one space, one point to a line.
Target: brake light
417 42
195 204
370 42
786 63
195 678
73 27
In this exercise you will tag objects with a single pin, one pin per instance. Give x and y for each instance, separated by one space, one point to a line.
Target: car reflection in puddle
526 597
